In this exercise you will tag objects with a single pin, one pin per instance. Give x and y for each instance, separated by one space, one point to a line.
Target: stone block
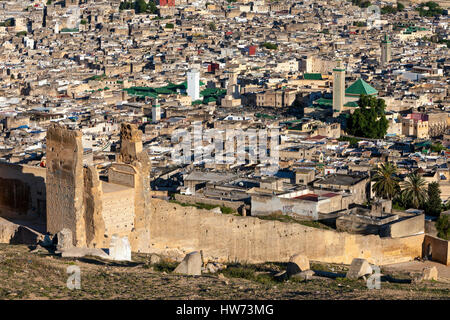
297 263
154 259
65 239
191 264
304 275
216 210
119 249
430 273
359 268
75 252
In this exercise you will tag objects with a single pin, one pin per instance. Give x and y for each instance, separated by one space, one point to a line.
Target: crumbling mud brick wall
93 210
436 249
131 152
65 183
22 191
248 239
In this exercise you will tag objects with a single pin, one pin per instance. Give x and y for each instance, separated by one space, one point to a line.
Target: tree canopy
369 120
386 183
139 6
429 9
433 207
269 45
413 189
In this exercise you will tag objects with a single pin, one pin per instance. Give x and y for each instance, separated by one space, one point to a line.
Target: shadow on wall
24 235
23 194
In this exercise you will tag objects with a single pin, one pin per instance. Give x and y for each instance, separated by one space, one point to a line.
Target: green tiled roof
69 30
329 102
351 104
360 87
312 76
323 102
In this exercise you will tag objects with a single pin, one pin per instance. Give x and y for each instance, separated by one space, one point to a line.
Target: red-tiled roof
308 197
329 195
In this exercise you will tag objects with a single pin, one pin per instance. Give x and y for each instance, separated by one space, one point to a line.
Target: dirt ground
26 275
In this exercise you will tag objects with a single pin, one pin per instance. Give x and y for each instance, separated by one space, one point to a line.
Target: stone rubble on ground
65 239
428 273
297 263
154 259
213 267
216 210
304 275
82 252
358 269
191 264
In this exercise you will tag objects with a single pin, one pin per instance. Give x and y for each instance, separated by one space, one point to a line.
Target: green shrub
269 45
443 227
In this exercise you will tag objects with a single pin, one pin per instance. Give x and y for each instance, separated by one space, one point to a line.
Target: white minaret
338 87
156 111
193 84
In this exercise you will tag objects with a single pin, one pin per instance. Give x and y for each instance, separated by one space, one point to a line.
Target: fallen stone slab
82 252
304 275
191 264
358 269
297 263
430 273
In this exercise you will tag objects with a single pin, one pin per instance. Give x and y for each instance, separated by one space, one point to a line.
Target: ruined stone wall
405 227
118 212
93 209
65 183
267 205
437 249
122 174
196 199
131 152
174 228
22 191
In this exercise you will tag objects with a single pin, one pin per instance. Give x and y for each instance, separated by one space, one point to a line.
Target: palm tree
414 189
386 183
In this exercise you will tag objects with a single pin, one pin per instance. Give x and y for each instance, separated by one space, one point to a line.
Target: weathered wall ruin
65 183
93 209
22 191
174 228
436 249
131 152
